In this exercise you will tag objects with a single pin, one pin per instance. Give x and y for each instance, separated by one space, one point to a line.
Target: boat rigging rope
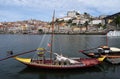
88 49
42 43
34 56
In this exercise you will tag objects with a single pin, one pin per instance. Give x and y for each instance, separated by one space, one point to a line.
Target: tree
86 25
86 15
99 25
40 31
117 21
73 24
80 26
104 27
69 21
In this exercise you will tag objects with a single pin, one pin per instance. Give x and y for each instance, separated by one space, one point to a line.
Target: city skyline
17 10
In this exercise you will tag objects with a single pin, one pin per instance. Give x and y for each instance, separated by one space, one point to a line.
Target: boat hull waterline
84 62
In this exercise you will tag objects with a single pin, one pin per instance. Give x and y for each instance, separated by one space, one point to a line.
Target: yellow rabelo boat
60 62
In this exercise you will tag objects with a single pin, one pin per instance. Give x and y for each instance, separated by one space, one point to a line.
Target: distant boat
56 61
112 54
113 33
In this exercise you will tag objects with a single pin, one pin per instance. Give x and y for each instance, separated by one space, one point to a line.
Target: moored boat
60 62
113 60
112 54
113 33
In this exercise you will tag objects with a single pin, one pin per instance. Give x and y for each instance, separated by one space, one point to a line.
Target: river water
68 45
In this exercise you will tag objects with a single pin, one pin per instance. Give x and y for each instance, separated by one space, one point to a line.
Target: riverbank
84 33
75 33
58 33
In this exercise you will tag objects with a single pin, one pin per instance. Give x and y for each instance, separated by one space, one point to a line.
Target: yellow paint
40 49
24 60
101 58
40 53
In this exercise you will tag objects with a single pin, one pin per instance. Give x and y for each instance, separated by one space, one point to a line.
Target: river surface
68 45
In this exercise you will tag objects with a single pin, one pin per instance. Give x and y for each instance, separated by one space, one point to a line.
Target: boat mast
52 36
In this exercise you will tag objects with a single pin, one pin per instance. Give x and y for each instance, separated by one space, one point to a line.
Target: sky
18 10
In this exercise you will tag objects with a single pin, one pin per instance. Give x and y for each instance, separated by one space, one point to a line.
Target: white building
76 21
66 18
94 22
14 29
83 21
72 13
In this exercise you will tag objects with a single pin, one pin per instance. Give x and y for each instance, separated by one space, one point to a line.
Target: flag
49 44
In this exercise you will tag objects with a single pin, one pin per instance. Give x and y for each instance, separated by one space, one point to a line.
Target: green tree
86 25
69 21
40 31
104 26
99 25
86 15
73 24
117 21
80 26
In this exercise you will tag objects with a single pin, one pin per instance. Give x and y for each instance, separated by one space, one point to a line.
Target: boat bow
23 60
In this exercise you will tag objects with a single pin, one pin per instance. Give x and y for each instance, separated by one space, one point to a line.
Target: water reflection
59 74
103 71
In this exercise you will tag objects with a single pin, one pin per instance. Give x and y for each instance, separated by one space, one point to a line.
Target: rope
43 38
88 49
43 45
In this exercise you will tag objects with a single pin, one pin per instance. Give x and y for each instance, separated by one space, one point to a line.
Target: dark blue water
69 45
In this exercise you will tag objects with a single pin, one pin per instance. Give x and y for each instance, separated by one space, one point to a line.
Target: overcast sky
17 10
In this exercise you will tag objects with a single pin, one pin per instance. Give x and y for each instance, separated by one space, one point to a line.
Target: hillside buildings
27 26
73 22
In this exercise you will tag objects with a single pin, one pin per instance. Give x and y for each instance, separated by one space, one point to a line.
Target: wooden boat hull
111 58
43 66
85 62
